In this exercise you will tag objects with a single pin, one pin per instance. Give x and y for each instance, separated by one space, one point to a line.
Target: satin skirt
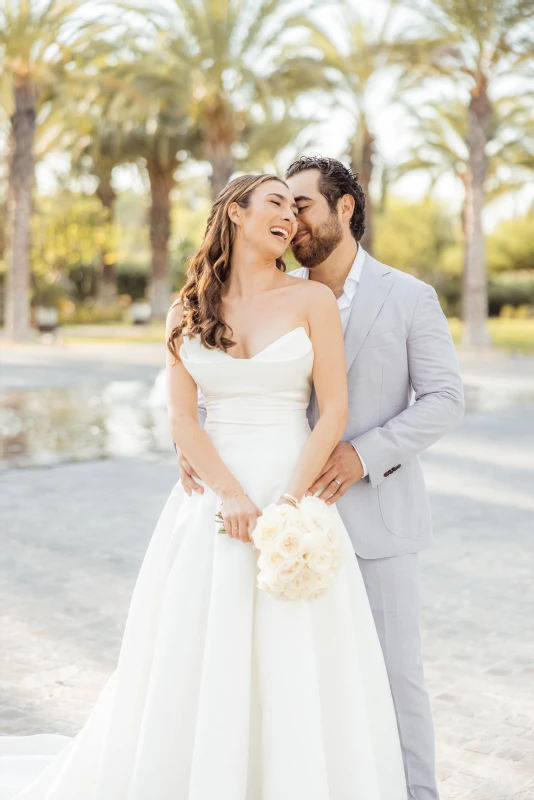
221 692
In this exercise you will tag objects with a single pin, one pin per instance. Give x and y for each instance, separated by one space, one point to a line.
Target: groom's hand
342 469
188 475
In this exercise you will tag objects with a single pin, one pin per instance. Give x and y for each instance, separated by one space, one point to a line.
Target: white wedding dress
221 693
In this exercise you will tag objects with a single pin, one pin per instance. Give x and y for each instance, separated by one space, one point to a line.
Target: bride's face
269 222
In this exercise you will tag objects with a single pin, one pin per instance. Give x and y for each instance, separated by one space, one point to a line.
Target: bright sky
391 125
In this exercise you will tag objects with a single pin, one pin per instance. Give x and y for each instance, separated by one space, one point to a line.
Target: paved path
39 366
34 366
75 535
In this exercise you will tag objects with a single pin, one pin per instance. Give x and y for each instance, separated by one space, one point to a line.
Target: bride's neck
250 274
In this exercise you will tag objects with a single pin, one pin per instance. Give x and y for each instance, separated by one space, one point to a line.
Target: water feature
87 421
39 427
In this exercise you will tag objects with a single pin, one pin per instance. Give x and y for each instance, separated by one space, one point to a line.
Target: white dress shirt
344 302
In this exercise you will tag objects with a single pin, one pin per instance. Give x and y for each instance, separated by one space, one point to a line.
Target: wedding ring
336 481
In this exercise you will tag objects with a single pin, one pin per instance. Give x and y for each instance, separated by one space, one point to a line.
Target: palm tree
103 164
78 126
133 111
157 134
156 144
478 44
40 43
358 60
439 148
231 54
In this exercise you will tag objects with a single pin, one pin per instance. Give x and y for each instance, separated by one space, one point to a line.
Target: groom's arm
439 401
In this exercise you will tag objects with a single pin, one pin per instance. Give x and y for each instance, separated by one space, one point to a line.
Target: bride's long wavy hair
209 269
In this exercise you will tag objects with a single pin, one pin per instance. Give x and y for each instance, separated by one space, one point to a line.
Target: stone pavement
39 366
74 536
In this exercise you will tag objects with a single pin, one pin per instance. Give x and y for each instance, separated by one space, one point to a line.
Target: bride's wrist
289 499
226 493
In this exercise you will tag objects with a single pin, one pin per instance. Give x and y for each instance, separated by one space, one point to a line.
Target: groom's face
319 229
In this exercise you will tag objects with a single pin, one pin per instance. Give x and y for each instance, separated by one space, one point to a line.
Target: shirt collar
356 270
352 278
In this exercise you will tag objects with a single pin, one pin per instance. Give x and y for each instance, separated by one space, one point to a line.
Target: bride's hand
240 516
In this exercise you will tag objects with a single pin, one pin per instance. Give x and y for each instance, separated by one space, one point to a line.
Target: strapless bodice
256 408
271 388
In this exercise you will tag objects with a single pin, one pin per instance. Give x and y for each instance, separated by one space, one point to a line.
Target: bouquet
301 551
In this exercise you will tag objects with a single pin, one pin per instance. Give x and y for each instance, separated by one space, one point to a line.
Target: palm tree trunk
161 184
362 163
475 282
19 211
107 279
220 157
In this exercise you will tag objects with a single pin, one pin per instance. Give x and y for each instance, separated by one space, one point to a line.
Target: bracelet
237 494
293 500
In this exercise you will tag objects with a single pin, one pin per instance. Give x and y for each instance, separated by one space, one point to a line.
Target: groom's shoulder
301 272
404 282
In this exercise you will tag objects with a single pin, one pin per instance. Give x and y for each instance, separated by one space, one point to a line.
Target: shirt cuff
365 470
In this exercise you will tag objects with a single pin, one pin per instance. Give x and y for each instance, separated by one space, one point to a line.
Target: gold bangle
293 500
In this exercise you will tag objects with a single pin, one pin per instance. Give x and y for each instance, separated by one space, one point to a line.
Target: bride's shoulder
175 314
312 292
173 322
176 310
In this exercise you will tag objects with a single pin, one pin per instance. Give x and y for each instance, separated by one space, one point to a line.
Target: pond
87 421
40 427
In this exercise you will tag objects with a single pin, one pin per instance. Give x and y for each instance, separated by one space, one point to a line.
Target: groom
397 343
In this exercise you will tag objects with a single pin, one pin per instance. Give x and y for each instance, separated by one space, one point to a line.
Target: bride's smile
267 225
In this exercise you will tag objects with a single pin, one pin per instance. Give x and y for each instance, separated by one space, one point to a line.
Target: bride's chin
274 252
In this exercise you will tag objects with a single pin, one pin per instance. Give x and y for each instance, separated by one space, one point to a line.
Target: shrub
88 314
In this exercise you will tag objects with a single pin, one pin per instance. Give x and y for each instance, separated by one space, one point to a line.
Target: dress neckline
267 347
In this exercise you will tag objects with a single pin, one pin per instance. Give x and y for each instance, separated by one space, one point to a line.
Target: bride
221 692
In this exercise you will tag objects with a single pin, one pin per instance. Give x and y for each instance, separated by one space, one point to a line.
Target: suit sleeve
202 413
439 399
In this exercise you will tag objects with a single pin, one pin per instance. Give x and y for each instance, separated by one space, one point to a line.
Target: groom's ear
346 207
234 212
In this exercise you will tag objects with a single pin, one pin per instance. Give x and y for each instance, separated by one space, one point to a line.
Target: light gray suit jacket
397 347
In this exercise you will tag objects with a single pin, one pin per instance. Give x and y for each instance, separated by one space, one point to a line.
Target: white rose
273 558
266 533
284 513
292 593
306 581
273 521
288 569
317 512
316 594
320 561
289 542
315 539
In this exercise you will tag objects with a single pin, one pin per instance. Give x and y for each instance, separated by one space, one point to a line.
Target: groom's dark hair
335 180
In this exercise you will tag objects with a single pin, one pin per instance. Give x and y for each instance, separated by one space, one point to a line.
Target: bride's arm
195 444
330 383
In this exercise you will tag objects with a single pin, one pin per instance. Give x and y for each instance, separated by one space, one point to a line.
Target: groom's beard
319 244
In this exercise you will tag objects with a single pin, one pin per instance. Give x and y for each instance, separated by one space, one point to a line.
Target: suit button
398 466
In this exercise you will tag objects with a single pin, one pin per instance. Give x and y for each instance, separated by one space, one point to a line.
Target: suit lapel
373 288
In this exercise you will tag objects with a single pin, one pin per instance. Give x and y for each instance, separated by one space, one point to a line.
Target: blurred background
119 124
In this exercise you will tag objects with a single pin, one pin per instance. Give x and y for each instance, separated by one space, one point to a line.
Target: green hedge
504 291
